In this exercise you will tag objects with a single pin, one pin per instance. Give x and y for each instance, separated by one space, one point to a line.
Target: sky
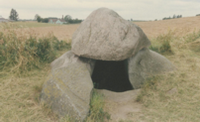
135 9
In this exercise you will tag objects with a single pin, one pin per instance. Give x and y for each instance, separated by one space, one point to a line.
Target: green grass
24 53
97 114
31 24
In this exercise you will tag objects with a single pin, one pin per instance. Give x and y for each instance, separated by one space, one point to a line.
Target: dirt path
122 106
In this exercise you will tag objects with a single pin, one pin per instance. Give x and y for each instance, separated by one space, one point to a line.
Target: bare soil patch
122 106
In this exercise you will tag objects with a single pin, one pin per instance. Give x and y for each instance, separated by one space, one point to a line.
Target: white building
2 19
57 21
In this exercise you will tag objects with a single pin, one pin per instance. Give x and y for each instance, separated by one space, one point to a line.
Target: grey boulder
146 63
104 35
69 87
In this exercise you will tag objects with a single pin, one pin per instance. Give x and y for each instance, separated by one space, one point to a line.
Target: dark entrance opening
111 75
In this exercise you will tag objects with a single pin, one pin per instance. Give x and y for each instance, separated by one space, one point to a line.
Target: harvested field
152 29
63 32
183 26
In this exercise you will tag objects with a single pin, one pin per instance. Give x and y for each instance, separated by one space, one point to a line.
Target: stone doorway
111 75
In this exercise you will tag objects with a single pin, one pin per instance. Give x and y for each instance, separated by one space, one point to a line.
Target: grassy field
32 24
24 67
172 97
175 96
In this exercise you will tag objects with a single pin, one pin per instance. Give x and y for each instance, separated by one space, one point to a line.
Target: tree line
174 17
67 19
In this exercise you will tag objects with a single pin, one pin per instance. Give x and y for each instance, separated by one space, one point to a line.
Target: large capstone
104 35
68 89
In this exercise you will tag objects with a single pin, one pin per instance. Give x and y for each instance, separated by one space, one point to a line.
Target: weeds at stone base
163 45
97 114
151 83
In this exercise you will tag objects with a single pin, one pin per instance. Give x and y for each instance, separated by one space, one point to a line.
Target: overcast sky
135 9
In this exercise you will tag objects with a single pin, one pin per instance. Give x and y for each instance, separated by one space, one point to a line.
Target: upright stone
104 35
69 87
146 63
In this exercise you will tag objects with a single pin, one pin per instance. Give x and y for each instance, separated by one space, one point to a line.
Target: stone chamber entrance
111 75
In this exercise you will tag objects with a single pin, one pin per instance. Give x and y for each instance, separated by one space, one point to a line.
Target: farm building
57 21
2 19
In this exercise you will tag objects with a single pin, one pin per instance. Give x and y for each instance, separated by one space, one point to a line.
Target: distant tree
45 20
75 21
13 15
67 18
36 16
180 16
39 19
